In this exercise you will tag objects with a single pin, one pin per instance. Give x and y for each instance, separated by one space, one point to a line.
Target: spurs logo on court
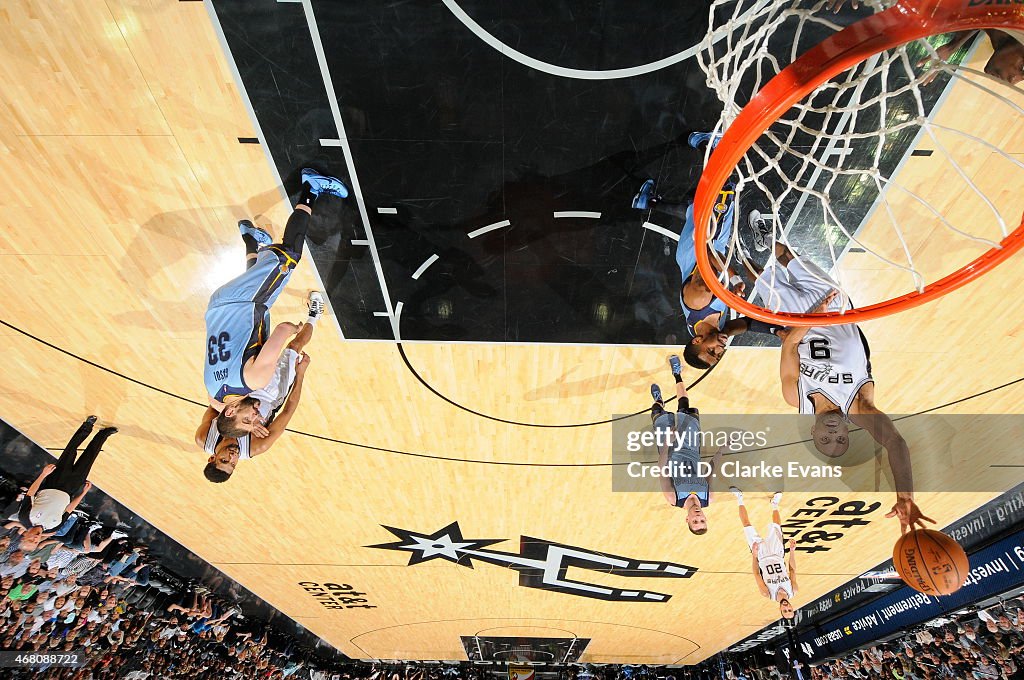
541 564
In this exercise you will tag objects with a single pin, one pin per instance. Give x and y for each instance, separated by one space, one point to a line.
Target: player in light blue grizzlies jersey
241 352
679 454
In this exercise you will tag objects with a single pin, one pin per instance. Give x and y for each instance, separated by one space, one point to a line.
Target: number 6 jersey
834 362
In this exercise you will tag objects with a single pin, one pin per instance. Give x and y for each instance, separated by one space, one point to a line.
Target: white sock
311 320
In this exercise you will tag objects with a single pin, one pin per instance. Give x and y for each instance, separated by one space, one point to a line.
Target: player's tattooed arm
204 426
261 369
277 427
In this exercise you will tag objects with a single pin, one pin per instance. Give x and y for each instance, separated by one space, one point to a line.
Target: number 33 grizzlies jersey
238 320
834 362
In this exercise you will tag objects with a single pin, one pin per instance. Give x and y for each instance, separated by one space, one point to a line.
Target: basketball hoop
830 80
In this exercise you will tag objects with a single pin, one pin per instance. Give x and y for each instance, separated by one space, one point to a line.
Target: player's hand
48 469
739 289
87 486
302 364
909 515
792 544
292 328
260 431
935 64
823 305
836 5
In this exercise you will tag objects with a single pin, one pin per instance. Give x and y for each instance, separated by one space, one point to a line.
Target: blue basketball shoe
656 393
675 365
324 184
697 138
645 198
259 235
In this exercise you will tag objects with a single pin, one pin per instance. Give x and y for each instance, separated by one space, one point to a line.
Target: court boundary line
448 459
697 645
254 121
346 150
579 74
939 103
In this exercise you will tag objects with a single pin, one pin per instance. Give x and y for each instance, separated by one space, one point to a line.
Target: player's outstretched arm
258 373
864 414
280 423
204 426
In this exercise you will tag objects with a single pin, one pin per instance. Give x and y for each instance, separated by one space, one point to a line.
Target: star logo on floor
541 564
446 544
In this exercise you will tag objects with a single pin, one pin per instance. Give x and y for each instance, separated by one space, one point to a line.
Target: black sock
308 198
295 231
250 244
678 377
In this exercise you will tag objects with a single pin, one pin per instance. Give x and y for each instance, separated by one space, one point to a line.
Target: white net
890 175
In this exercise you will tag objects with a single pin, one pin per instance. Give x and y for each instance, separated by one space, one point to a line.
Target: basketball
930 562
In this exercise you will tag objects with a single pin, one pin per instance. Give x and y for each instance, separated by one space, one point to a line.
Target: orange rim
908 20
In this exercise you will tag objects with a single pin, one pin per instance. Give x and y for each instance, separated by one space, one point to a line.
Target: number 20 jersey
834 362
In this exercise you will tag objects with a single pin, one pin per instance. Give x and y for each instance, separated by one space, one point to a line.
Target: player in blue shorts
679 452
241 352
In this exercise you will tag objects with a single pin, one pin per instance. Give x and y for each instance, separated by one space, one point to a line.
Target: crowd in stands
973 644
73 585
93 590
986 644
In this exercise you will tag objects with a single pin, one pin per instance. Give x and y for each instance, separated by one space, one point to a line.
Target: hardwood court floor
123 181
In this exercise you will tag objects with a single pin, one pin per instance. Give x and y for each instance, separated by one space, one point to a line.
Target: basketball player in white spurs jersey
826 371
275 404
776 579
